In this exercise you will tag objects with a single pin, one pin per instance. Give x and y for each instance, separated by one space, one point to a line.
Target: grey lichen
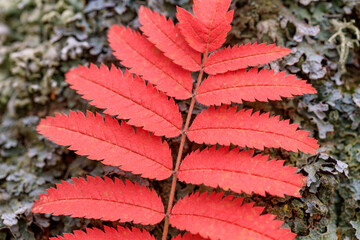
41 40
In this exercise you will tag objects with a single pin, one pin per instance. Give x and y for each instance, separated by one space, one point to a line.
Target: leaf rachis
163 55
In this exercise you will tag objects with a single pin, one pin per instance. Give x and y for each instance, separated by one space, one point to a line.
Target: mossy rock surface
41 40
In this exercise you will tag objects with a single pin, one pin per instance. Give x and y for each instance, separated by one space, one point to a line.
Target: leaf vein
102 140
241 172
95 199
131 100
253 130
154 64
249 86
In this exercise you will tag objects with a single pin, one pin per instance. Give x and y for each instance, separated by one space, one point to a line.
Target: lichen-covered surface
42 39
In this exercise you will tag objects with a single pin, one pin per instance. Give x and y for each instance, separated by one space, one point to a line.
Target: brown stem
181 149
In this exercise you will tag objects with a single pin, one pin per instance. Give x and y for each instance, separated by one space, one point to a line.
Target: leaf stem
181 149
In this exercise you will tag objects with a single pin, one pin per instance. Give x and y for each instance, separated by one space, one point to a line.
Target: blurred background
40 40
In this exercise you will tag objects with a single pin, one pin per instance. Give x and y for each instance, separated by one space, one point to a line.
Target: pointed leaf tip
116 200
226 218
128 98
250 86
167 37
143 58
114 144
243 56
207 30
240 172
225 126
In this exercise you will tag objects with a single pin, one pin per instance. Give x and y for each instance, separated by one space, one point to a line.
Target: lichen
346 41
41 40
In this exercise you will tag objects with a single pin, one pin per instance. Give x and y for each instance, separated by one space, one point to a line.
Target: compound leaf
102 199
243 56
207 30
167 37
128 98
250 86
225 126
240 172
106 140
107 234
226 218
143 58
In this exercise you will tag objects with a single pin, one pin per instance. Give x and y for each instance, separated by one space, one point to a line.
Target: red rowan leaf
143 58
128 98
250 86
240 172
207 30
106 140
188 236
225 126
243 56
108 234
167 37
226 218
102 199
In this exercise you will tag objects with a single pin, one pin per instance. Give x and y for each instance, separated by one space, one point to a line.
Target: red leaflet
217 218
102 199
143 58
250 86
206 31
164 57
116 145
168 39
128 98
240 172
109 234
188 236
243 56
225 126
